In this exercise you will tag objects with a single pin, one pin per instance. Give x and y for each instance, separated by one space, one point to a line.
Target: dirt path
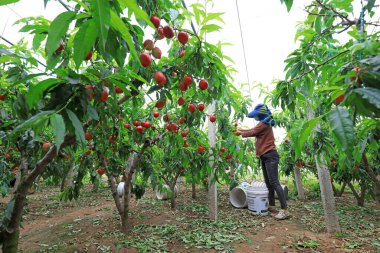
91 225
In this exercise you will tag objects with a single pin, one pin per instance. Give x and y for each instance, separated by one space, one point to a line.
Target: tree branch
343 17
319 65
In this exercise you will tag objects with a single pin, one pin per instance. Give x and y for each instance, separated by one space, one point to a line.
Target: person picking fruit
266 151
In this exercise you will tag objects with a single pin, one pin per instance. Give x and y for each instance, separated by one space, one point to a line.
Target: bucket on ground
257 198
238 195
165 193
120 189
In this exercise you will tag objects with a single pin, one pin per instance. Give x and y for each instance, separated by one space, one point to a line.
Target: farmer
266 151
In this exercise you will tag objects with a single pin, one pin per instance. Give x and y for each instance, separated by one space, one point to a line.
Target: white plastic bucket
238 195
120 189
257 198
164 195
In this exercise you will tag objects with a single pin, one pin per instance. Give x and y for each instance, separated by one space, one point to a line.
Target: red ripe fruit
46 147
232 175
2 97
88 56
139 129
181 120
148 44
191 108
104 96
174 127
160 33
160 78
101 171
339 99
182 86
183 37
228 156
145 59
60 48
201 107
201 149
356 76
156 114
127 126
212 118
146 124
136 123
166 117
160 104
157 53
118 90
203 84
168 32
87 136
155 20
8 156
181 101
286 140
143 123
184 133
187 80
182 54
185 144
222 150
169 127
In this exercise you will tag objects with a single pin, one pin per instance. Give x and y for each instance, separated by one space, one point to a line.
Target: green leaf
102 10
305 134
92 112
79 133
57 30
288 4
139 13
118 24
36 91
370 5
213 15
372 95
36 120
84 41
37 40
5 2
209 28
59 129
343 128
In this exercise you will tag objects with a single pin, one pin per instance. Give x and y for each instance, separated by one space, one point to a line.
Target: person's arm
253 131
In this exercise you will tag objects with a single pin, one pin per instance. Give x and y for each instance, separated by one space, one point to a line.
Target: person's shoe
282 215
272 209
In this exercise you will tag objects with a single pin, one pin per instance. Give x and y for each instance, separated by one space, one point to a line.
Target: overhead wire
244 53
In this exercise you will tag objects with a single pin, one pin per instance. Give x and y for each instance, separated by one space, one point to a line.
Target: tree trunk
327 195
173 204
340 193
127 198
298 180
193 188
193 191
212 189
354 192
334 189
375 178
70 174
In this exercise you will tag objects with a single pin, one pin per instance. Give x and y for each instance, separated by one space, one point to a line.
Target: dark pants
269 162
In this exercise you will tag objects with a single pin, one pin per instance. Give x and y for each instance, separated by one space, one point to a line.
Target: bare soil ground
91 224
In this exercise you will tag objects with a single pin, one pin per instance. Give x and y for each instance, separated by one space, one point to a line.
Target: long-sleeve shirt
264 138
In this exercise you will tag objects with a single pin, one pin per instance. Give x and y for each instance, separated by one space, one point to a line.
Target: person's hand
237 133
